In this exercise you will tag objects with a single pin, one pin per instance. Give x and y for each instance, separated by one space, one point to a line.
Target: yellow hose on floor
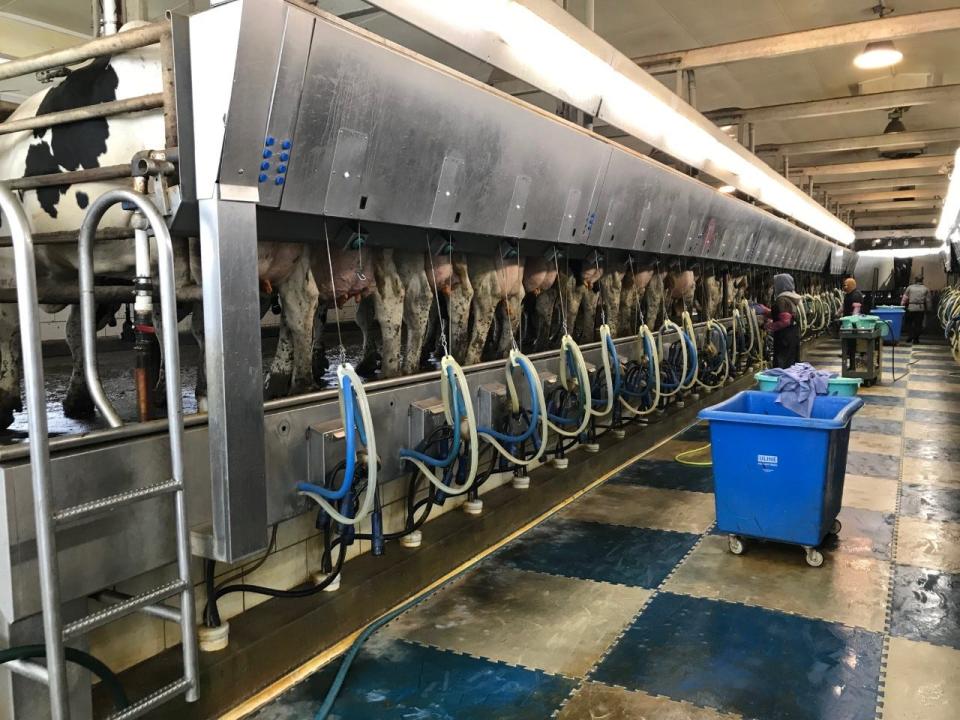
681 458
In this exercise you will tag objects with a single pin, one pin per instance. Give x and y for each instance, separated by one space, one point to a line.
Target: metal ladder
47 520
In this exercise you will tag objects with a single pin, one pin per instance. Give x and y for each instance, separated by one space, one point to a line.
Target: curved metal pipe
171 359
26 276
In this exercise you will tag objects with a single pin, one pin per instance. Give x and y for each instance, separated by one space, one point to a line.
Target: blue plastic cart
778 476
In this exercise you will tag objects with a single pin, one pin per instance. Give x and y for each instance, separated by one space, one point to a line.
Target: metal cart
862 352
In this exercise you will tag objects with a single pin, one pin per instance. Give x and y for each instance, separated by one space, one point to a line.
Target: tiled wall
296 557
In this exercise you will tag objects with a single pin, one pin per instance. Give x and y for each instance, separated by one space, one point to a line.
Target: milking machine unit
640 391
715 367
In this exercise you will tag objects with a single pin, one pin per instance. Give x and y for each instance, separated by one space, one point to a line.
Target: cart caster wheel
814 557
735 544
835 527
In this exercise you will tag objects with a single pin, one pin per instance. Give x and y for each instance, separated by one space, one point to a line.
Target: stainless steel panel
255 72
346 174
610 229
516 224
571 211
231 307
288 87
444 213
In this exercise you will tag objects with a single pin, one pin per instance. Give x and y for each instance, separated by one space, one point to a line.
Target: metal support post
231 308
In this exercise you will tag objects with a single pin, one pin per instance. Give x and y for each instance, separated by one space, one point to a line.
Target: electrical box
326 446
424 416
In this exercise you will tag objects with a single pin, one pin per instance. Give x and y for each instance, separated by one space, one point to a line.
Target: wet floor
116 372
628 604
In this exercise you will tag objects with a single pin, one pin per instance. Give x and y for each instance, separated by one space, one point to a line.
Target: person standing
782 321
853 303
916 300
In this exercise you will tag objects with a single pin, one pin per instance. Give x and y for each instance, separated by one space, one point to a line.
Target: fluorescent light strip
950 214
540 43
902 252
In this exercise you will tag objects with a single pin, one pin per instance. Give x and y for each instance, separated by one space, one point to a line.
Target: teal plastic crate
838 387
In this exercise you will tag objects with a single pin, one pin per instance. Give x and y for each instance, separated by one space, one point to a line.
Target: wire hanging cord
357 422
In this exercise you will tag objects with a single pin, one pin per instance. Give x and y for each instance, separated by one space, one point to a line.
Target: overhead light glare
880 54
574 65
950 213
726 189
902 252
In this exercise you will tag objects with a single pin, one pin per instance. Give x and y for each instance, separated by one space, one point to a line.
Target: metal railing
47 520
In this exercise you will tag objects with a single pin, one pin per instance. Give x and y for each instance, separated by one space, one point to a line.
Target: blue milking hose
349 406
455 444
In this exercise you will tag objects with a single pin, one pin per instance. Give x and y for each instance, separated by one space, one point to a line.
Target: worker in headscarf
852 298
782 321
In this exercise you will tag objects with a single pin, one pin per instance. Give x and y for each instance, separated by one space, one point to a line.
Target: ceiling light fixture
902 252
726 189
879 54
539 42
950 213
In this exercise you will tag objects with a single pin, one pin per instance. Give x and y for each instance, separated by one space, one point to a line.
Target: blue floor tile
934 417
873 464
930 502
752 661
926 605
666 474
935 394
874 425
944 377
398 680
596 551
881 400
931 450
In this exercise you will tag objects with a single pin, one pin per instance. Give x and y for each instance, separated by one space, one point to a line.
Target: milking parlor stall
525 293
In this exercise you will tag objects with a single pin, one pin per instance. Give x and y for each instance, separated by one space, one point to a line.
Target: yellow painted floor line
311 666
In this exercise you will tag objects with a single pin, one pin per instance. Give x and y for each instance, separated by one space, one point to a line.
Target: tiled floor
626 604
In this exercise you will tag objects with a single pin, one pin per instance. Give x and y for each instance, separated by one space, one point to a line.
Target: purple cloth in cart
799 385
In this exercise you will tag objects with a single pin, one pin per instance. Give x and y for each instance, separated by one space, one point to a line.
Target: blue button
263 177
286 144
269 141
268 153
281 168
279 180
265 165
284 156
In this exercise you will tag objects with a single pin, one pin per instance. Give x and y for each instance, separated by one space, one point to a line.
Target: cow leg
511 322
458 308
366 321
611 285
292 370
416 309
196 328
388 309
485 300
77 404
10 401
318 353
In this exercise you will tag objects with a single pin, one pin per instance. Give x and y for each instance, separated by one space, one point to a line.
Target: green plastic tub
864 322
839 386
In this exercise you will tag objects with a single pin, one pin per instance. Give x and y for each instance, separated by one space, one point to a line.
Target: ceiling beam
888 28
941 162
864 142
838 105
895 205
894 234
880 196
926 219
884 183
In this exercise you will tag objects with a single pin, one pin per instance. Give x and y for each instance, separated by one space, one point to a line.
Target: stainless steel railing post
171 360
28 309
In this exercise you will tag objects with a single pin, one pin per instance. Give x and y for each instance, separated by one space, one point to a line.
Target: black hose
78 657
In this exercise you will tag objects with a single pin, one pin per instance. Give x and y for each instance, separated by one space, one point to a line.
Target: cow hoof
277 385
367 367
78 405
8 406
